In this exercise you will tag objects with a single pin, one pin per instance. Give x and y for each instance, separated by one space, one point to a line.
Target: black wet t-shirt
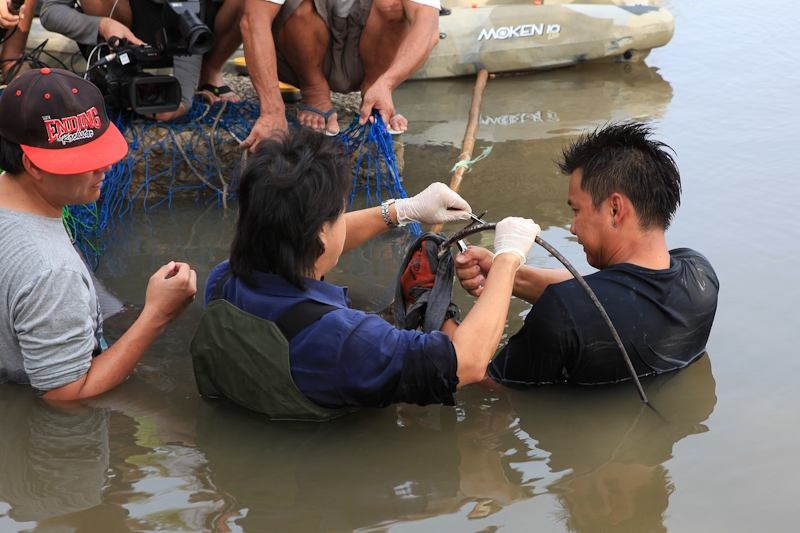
663 317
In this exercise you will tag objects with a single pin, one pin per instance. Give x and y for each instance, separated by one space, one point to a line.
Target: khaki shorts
345 20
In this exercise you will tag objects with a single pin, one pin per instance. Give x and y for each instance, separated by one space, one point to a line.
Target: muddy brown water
153 456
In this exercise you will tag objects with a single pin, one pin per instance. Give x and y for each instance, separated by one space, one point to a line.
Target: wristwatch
385 212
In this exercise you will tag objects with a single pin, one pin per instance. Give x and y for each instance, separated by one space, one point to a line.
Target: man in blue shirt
624 189
291 231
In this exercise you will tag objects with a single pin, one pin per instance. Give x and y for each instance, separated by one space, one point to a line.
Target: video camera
121 75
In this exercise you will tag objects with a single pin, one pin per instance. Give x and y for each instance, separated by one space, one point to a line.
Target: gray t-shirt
50 320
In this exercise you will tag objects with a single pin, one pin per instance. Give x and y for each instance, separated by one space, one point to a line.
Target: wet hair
291 187
623 158
10 156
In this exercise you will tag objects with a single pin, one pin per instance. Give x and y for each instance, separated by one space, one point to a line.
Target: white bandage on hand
515 235
435 205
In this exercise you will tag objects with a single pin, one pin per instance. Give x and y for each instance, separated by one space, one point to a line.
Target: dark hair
623 158
291 187
10 156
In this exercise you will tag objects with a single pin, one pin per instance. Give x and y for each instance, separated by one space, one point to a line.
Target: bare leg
384 31
102 8
303 40
122 13
228 37
12 50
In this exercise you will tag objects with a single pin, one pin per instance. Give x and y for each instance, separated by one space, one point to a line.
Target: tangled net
375 172
199 153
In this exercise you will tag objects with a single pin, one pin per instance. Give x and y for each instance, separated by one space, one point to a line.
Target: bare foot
316 111
214 89
169 115
397 124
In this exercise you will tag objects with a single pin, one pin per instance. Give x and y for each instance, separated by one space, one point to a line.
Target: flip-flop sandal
215 90
324 114
394 132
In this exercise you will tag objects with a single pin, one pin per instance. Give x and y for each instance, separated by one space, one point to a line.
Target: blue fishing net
375 173
203 145
198 152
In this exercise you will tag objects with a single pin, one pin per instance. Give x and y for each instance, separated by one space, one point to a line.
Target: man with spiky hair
624 190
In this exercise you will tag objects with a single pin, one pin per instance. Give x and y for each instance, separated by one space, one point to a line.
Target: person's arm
262 66
364 224
169 291
60 16
8 19
422 36
473 265
531 282
435 205
477 337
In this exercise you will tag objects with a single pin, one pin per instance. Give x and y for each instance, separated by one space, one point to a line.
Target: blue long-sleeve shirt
348 357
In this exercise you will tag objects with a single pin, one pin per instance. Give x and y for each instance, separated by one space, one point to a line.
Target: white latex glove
515 235
435 205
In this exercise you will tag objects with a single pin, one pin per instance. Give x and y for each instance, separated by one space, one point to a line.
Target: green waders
245 359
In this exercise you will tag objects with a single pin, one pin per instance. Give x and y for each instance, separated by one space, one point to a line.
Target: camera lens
154 94
199 39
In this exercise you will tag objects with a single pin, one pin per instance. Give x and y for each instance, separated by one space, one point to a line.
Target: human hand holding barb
472 267
435 205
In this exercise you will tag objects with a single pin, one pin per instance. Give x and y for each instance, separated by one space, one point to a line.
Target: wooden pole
468 144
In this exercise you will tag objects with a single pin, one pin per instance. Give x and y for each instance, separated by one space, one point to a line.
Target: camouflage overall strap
292 321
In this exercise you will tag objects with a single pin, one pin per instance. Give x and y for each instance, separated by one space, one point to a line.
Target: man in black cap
56 144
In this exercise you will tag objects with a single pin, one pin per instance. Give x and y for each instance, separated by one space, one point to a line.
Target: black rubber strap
301 315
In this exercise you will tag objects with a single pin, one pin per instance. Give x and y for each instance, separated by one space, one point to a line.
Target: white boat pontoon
509 36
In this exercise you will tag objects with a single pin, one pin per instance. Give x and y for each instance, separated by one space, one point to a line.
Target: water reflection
53 461
610 450
131 463
374 468
535 106
599 452
123 464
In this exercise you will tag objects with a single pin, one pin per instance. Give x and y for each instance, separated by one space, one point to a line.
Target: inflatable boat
513 36
510 36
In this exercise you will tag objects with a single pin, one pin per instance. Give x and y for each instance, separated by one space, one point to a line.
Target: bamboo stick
468 144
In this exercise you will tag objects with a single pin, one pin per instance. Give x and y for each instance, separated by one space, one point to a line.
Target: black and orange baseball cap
60 121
